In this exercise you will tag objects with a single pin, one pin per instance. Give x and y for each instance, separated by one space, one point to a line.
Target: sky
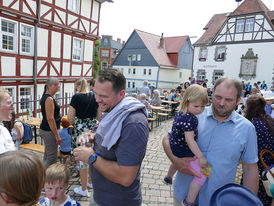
170 17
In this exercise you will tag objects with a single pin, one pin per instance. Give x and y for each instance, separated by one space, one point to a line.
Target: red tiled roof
212 28
174 44
250 6
152 42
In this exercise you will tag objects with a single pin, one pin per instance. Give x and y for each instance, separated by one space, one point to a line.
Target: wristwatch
92 159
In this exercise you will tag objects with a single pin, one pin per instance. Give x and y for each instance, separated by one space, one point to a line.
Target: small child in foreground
56 183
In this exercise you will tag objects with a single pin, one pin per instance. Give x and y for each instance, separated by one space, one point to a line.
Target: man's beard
222 114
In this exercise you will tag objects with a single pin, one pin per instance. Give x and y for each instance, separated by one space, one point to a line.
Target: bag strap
262 161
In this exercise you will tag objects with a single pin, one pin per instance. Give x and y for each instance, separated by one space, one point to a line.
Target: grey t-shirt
128 151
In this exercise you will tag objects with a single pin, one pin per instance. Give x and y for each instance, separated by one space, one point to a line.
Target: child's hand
203 162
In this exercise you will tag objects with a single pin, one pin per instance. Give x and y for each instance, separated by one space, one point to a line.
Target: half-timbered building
238 44
44 38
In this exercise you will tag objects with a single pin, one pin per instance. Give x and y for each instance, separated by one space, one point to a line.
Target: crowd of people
109 136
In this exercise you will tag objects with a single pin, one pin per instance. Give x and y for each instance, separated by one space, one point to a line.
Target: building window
11 91
105 53
134 71
74 6
129 70
134 57
133 84
128 85
201 75
122 70
220 53
104 65
26 39
58 96
240 25
149 72
138 57
25 98
217 74
249 24
180 75
203 54
145 71
77 49
8 35
129 58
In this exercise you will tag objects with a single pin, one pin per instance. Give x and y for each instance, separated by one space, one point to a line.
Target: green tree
97 61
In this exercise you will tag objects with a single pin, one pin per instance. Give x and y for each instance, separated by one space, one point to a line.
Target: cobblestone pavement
153 171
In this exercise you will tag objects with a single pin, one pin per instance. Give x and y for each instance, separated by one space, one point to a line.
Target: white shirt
6 143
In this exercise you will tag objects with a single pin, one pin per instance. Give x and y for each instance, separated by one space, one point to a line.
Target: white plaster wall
8 2
26 67
76 70
55 44
95 11
8 66
88 50
66 68
44 9
86 68
39 66
86 8
42 48
71 19
32 5
232 64
67 47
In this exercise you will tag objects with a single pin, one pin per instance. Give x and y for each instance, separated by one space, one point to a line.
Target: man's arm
250 176
182 164
124 175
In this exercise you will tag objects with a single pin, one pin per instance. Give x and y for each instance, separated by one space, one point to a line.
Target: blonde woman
82 115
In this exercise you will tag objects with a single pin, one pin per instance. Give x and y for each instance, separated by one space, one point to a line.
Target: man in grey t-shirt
145 89
116 164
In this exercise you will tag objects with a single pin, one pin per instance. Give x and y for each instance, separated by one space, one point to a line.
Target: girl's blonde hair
22 177
143 96
57 173
82 82
193 93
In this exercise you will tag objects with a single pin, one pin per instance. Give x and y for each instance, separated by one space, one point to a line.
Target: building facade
237 44
108 50
164 61
44 38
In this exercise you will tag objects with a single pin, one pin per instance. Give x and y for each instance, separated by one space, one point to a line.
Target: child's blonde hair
143 96
22 177
57 173
193 93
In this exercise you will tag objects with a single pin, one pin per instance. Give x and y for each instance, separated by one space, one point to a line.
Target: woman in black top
82 115
50 122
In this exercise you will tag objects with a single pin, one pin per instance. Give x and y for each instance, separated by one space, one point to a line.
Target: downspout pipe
35 56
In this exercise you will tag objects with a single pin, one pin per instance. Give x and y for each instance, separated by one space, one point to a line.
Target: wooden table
169 102
34 123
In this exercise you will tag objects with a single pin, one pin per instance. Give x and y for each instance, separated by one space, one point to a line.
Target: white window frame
180 75
249 24
75 49
220 53
240 24
139 57
13 35
104 65
31 39
74 6
58 95
149 72
134 71
203 54
145 72
134 57
122 70
28 96
129 71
